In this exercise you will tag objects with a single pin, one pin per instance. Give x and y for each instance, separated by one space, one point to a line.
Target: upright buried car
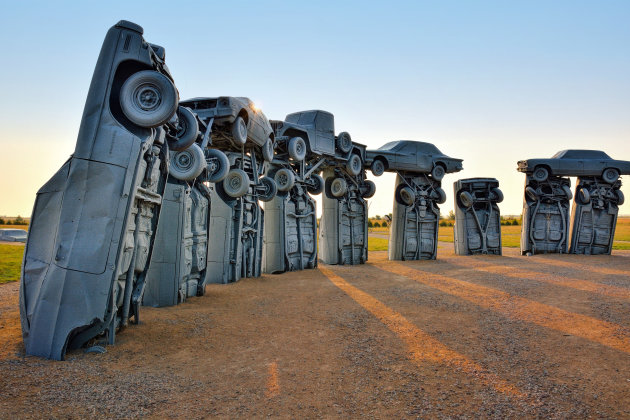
93 222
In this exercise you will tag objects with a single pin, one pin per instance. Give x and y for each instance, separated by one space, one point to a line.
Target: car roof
12 230
422 145
580 154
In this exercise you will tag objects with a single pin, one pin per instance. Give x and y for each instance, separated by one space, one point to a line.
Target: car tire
217 165
466 198
406 196
531 193
620 198
354 165
583 196
285 179
441 195
187 164
267 150
378 167
610 175
297 148
148 98
338 187
270 188
236 183
498 195
344 142
567 192
370 190
540 174
187 130
438 172
317 185
239 131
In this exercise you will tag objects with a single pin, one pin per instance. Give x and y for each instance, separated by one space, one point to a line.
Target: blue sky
491 82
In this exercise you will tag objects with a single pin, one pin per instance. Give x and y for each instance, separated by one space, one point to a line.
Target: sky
490 82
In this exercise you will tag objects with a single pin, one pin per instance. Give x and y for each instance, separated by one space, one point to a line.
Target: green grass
24 227
10 262
378 244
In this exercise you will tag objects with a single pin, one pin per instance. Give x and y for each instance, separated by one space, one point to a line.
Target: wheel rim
183 161
147 97
283 179
182 126
235 182
336 187
540 174
379 167
356 165
241 128
213 166
438 172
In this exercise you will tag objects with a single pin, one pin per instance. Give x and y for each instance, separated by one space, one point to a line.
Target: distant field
10 262
25 227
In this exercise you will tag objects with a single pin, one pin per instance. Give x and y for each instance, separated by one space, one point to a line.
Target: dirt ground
459 337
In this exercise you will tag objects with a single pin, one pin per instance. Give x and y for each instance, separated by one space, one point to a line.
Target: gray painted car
576 162
412 156
232 121
93 223
13 235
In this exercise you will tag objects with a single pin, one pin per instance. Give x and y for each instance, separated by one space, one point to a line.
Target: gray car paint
93 221
576 162
413 156
478 227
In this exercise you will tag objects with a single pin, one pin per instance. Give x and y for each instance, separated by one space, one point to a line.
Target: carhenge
93 223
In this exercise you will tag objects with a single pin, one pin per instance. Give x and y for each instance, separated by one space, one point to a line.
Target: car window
389 146
306 118
324 122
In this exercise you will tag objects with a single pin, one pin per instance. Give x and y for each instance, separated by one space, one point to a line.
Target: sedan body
413 156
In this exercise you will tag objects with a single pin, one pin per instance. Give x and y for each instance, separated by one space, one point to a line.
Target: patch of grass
378 244
24 227
622 232
10 262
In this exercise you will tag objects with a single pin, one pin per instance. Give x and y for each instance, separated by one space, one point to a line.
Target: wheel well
547 167
243 114
357 151
292 132
384 160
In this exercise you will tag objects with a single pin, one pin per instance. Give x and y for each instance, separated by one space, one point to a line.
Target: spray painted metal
306 146
290 241
415 218
180 253
594 215
93 223
343 234
477 216
548 196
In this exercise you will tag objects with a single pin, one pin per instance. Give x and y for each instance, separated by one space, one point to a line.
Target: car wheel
187 164
498 195
269 187
438 172
148 98
217 165
531 193
338 187
466 198
583 196
406 196
239 131
378 167
344 142
567 192
267 150
285 179
317 185
236 183
370 190
187 130
610 175
297 148
354 165
540 174
620 197
441 195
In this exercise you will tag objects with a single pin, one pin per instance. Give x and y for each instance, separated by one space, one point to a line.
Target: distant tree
19 221
390 216
384 224
451 215
515 222
377 224
377 217
370 223
9 222
2 221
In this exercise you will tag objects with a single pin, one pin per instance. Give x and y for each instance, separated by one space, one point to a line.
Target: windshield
580 154
16 233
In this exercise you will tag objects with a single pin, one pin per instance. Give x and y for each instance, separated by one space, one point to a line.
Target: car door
406 157
424 160
325 133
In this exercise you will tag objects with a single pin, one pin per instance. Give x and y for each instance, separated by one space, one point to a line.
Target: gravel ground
459 337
